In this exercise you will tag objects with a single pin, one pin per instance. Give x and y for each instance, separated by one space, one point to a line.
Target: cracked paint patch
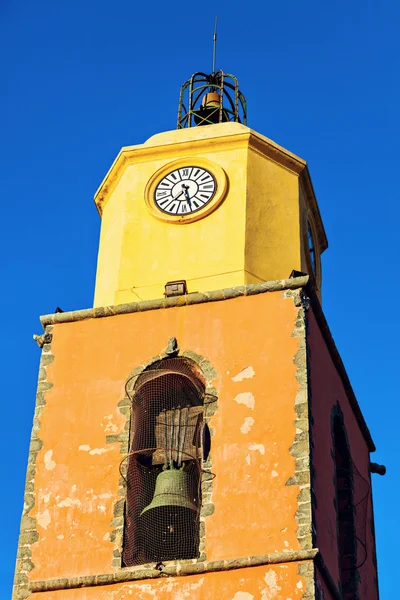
272 589
247 399
247 425
98 451
246 373
86 448
69 502
127 590
48 462
188 594
46 498
257 447
243 596
109 427
44 518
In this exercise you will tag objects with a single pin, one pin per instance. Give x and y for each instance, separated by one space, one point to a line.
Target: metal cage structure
210 99
164 466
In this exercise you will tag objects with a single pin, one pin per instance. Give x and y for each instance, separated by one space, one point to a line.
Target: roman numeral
197 202
205 178
185 173
173 207
163 203
184 208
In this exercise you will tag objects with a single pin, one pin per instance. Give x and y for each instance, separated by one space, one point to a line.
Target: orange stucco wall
278 582
250 343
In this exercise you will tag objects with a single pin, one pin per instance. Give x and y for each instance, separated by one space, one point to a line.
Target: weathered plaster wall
328 390
278 582
272 242
253 343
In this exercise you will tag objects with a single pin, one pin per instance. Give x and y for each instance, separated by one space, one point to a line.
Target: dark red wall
327 394
322 591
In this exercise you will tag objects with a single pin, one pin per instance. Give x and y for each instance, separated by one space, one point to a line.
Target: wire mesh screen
362 490
352 495
164 469
347 544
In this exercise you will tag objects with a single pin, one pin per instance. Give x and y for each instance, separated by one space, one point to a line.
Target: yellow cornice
266 147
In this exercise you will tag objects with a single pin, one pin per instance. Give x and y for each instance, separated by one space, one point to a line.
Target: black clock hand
186 187
176 197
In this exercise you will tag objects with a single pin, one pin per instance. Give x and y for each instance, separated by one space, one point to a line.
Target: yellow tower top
217 206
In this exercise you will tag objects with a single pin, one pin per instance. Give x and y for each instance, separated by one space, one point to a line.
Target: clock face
185 190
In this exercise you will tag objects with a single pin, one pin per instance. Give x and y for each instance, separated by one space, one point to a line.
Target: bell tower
262 219
195 432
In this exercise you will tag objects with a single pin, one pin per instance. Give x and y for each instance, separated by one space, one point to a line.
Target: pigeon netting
164 465
352 497
362 491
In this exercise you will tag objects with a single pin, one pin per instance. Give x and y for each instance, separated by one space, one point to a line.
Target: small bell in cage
209 111
211 99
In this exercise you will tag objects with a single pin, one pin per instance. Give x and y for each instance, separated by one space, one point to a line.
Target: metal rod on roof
215 45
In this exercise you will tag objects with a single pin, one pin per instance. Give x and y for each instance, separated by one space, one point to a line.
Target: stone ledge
187 300
178 569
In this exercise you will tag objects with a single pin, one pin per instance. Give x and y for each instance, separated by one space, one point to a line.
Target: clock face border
180 192
221 187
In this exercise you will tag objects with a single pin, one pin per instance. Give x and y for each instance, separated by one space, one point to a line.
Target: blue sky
81 79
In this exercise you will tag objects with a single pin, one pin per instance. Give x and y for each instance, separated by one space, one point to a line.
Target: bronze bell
172 489
209 111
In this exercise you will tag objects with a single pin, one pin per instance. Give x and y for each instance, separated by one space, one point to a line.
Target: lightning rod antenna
215 45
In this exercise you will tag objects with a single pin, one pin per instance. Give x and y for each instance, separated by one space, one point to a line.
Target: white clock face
185 190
